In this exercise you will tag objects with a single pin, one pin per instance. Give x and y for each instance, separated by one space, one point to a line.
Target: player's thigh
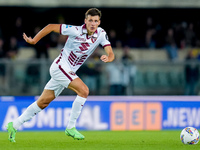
78 86
56 86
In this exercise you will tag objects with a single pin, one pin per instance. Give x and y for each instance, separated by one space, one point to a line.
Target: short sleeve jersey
79 45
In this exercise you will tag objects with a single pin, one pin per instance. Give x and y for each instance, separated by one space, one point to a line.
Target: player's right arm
46 30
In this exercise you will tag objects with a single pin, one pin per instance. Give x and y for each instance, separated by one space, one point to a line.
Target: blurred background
156 42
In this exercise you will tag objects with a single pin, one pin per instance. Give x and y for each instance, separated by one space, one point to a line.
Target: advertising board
108 113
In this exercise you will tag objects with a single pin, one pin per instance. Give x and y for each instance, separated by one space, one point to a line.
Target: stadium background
157 51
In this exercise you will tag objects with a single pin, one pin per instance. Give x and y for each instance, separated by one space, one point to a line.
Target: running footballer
80 44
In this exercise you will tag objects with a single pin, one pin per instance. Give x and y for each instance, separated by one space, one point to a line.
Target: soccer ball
189 135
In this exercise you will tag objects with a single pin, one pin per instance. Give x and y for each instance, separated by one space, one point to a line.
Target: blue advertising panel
177 115
107 113
56 115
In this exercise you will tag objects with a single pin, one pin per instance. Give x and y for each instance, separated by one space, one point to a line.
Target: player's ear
85 20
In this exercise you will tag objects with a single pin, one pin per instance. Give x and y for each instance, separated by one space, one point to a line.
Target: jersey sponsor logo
84 46
80 39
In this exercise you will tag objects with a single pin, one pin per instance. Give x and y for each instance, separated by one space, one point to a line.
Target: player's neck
90 33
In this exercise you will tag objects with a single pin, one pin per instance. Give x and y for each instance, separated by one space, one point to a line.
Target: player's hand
104 58
28 39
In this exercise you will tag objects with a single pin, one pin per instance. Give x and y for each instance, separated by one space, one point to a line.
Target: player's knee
84 92
43 102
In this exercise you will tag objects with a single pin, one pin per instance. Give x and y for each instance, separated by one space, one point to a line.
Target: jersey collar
84 30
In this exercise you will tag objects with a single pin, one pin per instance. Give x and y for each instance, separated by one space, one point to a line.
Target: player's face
92 23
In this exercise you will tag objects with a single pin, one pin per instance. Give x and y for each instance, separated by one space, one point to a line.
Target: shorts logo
72 73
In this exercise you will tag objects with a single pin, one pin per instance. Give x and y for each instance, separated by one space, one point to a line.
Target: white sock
76 110
27 115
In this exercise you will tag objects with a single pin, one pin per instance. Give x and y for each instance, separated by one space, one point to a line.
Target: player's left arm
110 55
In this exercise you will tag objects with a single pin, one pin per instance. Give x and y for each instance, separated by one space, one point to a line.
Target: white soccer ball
189 135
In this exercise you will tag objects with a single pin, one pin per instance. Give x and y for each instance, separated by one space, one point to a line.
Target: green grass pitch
97 140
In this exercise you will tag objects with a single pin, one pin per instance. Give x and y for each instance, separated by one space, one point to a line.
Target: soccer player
81 43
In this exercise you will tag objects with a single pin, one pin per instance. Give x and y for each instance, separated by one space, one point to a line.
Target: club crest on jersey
93 40
72 73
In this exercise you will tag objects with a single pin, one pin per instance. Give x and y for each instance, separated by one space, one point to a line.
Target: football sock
29 113
76 110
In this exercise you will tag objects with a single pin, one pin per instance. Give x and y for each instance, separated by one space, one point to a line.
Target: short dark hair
93 12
